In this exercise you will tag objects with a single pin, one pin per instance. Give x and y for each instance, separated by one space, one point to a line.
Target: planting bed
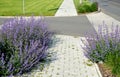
23 44
105 71
104 47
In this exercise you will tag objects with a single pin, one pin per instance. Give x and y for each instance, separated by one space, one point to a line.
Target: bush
23 43
104 46
84 8
87 7
94 6
81 9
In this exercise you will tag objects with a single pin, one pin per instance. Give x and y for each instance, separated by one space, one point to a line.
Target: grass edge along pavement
34 7
86 6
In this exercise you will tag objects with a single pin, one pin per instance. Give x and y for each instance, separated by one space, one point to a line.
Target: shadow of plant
53 9
41 65
52 56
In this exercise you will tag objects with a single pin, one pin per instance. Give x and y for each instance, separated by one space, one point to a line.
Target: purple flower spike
102 42
23 44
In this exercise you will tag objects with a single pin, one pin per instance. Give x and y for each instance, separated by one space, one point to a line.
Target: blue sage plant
104 45
23 43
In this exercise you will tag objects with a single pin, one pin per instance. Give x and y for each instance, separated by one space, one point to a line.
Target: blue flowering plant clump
23 43
104 45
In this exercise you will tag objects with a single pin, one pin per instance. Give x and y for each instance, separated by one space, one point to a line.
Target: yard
31 7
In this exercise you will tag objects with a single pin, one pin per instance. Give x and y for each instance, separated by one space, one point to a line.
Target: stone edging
97 69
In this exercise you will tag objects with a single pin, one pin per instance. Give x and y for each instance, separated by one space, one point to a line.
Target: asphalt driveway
75 26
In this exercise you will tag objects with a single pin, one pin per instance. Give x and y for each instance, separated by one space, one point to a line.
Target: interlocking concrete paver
68 59
67 8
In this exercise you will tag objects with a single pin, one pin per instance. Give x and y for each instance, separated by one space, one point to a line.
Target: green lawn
32 7
77 3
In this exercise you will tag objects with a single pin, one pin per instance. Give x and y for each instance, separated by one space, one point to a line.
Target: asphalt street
118 1
75 26
2 20
110 7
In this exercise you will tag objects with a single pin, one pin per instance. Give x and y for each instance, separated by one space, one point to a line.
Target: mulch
105 71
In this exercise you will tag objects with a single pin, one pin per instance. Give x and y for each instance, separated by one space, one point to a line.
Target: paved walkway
67 57
67 60
67 8
98 18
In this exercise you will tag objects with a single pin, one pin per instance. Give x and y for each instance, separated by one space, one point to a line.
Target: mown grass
32 7
76 2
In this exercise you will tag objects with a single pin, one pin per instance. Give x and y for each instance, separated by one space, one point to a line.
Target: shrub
94 6
87 7
23 43
104 45
81 9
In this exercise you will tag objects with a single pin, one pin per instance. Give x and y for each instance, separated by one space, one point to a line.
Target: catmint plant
100 43
104 45
23 43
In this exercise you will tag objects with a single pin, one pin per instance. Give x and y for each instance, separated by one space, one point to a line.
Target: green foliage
94 6
10 57
83 8
113 61
7 48
105 46
23 44
87 7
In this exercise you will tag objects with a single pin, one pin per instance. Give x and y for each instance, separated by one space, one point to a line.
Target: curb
98 71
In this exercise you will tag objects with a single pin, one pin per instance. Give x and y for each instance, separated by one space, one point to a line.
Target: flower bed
23 43
104 46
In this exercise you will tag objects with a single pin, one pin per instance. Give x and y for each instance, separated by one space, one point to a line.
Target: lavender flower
27 41
99 44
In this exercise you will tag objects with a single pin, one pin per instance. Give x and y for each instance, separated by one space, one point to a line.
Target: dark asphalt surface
118 1
110 7
2 20
75 26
